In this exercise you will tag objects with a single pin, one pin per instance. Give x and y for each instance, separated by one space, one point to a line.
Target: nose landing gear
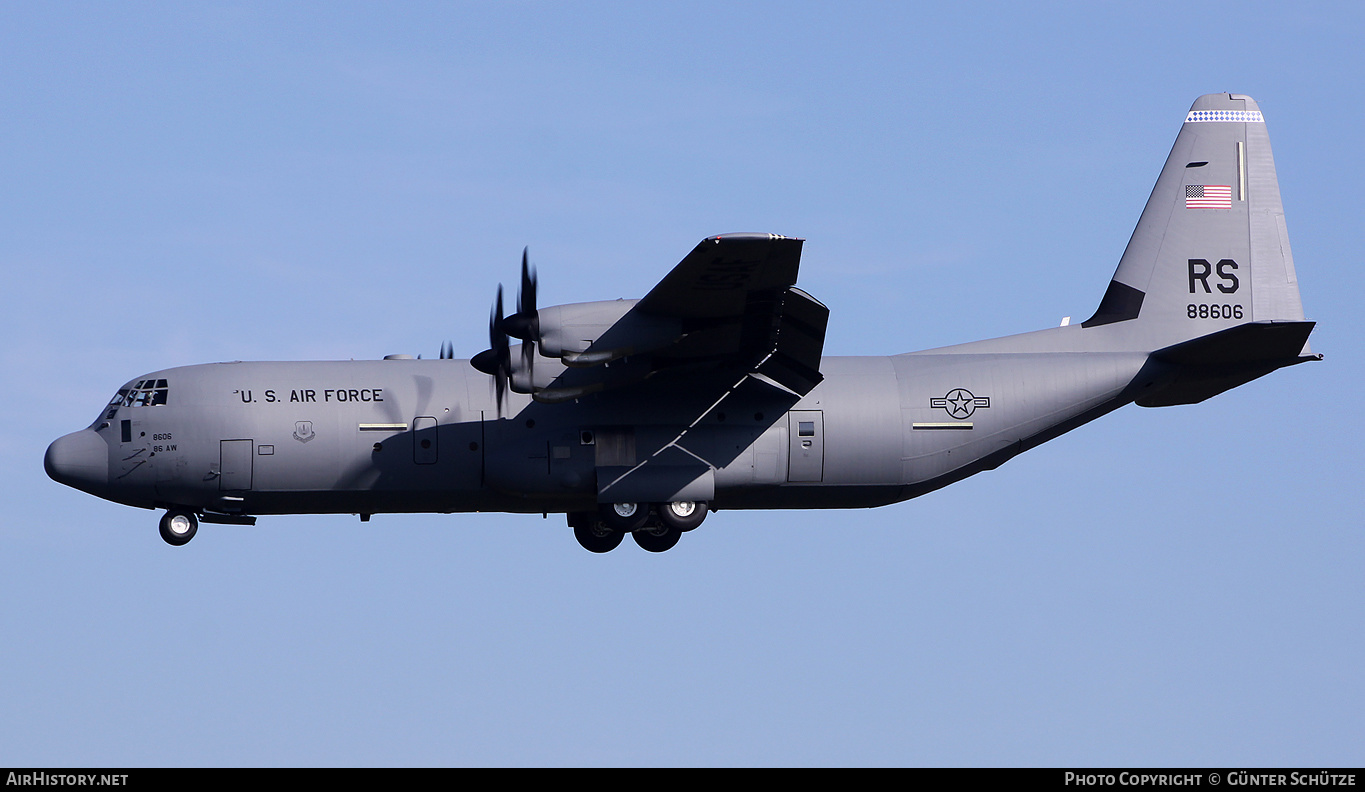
178 527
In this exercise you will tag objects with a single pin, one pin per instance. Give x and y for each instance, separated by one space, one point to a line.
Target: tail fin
1210 251
1207 282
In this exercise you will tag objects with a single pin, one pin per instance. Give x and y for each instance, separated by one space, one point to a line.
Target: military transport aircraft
711 392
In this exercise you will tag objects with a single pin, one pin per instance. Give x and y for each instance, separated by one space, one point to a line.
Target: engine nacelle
590 334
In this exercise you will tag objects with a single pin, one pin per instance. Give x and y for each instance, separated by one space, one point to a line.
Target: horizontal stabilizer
1207 366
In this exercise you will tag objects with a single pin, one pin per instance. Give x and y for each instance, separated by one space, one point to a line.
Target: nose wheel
178 527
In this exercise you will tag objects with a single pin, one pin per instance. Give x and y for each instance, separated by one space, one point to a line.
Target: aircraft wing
730 304
725 332
736 301
717 277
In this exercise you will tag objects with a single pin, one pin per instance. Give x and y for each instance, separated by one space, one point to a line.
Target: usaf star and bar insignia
960 403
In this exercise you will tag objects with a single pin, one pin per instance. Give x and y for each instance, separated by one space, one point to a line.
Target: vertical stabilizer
1210 251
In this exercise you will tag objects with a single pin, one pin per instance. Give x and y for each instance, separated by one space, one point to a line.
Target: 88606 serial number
1213 311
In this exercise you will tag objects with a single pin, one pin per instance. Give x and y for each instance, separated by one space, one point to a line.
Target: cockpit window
144 393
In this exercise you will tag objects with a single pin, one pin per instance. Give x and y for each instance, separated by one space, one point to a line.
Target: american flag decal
1208 196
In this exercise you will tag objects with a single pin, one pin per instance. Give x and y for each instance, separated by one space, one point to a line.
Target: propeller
496 361
525 323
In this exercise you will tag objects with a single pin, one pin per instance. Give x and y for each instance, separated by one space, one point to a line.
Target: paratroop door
806 462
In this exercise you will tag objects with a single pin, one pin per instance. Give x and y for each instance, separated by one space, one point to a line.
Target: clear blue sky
186 183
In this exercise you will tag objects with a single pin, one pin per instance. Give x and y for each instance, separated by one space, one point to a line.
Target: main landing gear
655 527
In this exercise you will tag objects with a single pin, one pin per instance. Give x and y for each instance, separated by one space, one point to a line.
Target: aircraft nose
80 460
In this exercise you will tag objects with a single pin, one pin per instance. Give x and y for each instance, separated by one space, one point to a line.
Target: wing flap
799 344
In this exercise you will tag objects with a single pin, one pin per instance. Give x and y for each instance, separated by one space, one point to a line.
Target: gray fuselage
407 435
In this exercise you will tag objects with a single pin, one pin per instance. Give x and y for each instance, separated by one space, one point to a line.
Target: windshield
143 393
